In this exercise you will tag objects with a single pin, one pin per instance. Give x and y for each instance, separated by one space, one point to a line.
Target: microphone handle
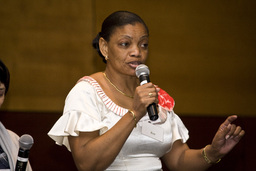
144 79
22 160
152 110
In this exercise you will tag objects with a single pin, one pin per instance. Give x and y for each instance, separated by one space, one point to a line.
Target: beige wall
202 53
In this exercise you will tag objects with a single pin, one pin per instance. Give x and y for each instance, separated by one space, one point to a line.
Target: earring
106 58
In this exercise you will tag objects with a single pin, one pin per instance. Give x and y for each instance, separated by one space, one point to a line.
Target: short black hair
4 76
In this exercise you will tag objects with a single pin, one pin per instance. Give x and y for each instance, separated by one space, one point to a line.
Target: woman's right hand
144 96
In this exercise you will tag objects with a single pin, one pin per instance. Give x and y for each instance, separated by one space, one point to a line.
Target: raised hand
227 136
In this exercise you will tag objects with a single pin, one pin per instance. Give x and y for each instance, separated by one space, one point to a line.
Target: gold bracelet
134 117
207 159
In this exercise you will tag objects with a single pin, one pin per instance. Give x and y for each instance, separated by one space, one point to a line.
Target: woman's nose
135 52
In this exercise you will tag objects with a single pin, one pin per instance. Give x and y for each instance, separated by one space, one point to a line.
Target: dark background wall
202 53
46 155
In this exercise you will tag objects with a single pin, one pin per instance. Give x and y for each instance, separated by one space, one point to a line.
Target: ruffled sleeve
82 113
179 130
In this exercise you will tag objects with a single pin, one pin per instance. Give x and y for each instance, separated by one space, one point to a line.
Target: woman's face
127 48
2 93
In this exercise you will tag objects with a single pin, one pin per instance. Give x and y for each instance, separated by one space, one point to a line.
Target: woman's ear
103 45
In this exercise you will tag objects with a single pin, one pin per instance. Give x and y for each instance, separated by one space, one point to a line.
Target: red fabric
165 100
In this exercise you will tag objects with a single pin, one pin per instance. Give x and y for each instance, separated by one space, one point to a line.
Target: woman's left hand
226 138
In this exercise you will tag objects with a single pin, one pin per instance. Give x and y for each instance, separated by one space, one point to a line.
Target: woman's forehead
137 28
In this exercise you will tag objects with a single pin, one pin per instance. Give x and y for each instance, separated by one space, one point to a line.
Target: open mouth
134 64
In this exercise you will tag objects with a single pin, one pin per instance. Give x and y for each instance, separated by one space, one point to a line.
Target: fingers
231 131
150 90
227 122
235 132
157 88
153 94
239 136
148 93
230 119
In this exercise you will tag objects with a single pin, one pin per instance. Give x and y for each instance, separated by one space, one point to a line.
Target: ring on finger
150 94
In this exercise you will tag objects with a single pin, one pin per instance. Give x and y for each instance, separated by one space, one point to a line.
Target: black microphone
25 143
142 72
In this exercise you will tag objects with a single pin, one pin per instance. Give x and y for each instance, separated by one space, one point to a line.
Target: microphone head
142 69
26 141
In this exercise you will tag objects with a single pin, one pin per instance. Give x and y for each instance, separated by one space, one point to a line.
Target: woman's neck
125 83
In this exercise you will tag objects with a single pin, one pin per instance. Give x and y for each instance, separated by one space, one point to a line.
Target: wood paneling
202 53
47 47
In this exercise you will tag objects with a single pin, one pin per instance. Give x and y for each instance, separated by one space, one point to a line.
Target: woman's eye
144 45
124 44
1 93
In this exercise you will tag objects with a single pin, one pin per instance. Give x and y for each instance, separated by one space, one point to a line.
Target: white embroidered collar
106 100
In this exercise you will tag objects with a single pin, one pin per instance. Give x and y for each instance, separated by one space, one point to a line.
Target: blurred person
9 141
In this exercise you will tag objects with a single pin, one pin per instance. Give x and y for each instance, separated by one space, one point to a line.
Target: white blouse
88 108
